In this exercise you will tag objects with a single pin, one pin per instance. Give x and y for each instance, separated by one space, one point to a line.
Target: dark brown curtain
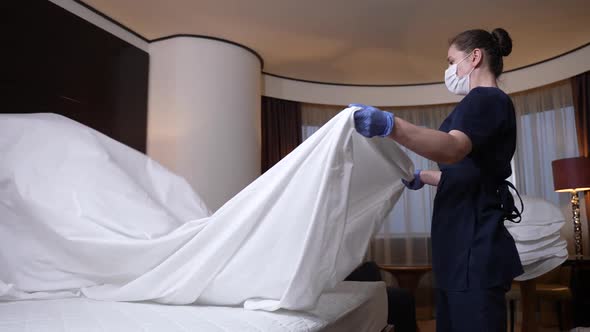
581 97
281 129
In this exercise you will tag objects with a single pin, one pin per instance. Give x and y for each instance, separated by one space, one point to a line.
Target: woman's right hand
370 121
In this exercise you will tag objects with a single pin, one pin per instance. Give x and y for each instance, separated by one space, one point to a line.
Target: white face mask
455 84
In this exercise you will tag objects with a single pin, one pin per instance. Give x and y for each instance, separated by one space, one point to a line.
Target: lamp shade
571 174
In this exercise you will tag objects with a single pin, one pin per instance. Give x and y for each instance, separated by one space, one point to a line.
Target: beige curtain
546 131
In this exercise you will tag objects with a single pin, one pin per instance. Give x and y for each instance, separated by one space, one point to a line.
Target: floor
548 321
430 326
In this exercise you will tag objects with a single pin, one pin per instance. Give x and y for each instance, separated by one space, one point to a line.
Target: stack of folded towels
538 240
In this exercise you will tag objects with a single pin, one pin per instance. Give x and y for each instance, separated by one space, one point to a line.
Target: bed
109 105
351 306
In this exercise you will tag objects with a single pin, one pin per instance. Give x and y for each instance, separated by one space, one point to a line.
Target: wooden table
407 276
580 287
529 296
529 305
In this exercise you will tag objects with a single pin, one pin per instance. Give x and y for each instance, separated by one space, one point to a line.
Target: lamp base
577 224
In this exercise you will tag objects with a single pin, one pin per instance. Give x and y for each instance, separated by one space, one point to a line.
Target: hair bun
503 40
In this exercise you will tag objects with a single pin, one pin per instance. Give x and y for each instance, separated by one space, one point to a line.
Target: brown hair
496 45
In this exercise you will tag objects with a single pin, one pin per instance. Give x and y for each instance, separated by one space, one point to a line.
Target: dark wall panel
53 61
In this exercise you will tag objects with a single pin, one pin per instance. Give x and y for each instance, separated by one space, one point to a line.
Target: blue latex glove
370 121
416 183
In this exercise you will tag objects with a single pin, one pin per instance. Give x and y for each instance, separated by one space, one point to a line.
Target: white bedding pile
538 240
81 214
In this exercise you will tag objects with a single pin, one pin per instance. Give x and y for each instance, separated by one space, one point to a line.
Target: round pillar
204 114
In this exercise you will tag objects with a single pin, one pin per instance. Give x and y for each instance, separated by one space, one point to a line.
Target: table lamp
573 175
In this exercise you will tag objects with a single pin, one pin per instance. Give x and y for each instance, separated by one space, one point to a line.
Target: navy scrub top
471 248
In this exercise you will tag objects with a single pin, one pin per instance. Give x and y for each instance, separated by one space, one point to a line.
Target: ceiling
369 42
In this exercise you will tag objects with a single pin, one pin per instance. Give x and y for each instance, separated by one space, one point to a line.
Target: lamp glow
573 175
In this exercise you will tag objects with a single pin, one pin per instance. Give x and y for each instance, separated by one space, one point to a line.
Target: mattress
350 306
369 316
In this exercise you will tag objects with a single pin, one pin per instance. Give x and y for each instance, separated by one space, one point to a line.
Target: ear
477 57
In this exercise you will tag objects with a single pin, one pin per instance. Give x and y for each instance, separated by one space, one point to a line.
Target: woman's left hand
416 183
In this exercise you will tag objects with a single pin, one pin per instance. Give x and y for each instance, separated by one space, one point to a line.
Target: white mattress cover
350 302
371 316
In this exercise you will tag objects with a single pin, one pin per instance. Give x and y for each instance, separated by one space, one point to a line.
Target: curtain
281 130
581 100
405 235
546 131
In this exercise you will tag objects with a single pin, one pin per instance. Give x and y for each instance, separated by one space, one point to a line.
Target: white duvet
81 214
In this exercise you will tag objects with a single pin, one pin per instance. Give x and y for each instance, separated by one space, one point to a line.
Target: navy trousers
480 310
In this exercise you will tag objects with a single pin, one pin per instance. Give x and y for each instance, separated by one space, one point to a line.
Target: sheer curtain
546 131
405 235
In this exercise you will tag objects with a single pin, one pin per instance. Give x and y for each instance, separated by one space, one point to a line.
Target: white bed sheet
82 213
350 306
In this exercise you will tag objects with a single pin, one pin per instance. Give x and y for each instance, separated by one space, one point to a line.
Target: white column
204 114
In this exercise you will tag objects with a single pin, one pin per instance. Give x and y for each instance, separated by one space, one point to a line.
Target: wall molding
110 19
542 73
104 22
416 84
537 74
212 38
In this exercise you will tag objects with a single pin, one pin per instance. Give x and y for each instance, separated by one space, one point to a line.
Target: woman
474 256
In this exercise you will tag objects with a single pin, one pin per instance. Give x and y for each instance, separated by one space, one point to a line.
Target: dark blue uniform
474 256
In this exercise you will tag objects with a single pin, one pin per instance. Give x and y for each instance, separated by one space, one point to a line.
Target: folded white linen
553 249
534 232
538 240
542 266
537 244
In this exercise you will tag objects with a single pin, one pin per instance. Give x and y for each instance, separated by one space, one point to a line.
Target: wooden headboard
55 61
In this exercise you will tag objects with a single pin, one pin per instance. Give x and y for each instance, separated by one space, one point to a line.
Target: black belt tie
507 202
